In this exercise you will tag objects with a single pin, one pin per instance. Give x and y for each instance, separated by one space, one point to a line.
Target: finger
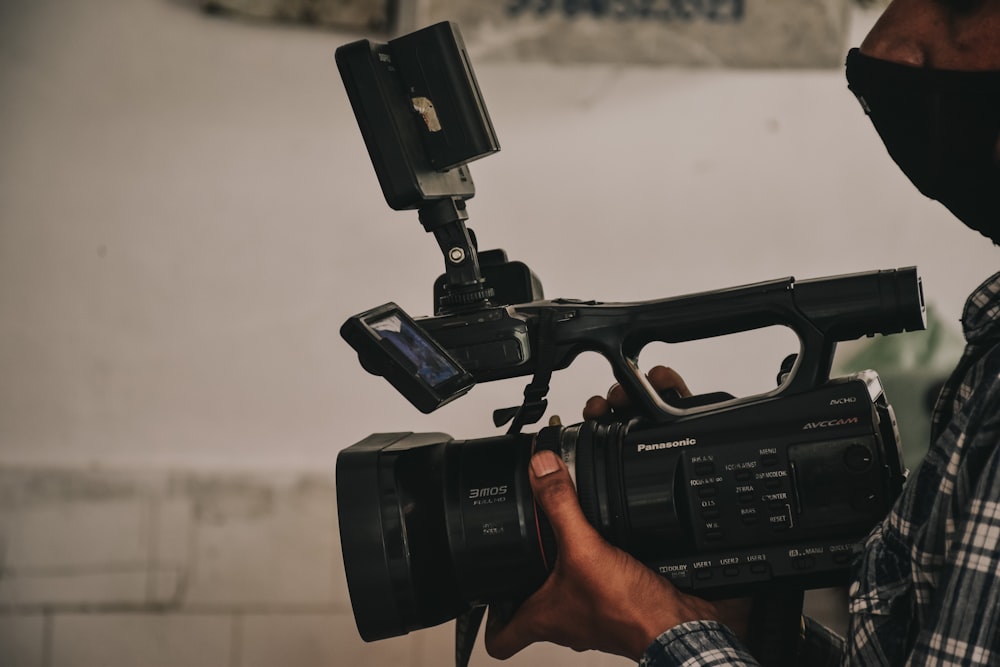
597 406
664 378
735 614
661 378
556 495
504 639
617 398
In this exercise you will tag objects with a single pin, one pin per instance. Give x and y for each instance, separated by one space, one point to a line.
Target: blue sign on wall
713 11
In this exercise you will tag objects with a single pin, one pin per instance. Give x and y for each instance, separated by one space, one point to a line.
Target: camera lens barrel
591 452
387 524
492 528
431 527
632 502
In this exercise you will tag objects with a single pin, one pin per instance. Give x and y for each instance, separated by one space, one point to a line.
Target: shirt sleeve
697 644
711 644
963 619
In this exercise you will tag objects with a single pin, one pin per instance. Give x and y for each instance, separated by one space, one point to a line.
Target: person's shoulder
981 387
989 367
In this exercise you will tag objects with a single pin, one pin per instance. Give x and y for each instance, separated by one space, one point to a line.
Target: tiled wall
169 569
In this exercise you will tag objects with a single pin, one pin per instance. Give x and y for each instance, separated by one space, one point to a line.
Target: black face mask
942 128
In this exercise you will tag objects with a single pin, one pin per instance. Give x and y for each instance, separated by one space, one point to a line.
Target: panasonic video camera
723 495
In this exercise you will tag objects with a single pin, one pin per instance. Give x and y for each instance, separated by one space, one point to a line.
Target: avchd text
844 400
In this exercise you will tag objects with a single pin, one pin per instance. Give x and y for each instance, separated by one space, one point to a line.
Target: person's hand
598 596
661 378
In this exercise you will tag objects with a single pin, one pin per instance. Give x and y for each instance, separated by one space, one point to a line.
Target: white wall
187 214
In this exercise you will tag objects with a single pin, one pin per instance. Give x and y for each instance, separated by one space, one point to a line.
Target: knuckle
663 375
556 488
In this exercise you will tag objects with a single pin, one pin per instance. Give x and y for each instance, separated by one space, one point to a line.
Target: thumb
555 494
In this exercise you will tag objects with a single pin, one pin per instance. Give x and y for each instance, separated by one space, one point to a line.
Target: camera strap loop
466 629
535 403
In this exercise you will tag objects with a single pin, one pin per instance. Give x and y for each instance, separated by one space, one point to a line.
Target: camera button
704 468
731 571
743 475
858 458
713 536
779 522
803 563
769 459
708 491
703 573
759 568
863 499
843 557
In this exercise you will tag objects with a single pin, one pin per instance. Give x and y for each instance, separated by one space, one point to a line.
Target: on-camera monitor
430 365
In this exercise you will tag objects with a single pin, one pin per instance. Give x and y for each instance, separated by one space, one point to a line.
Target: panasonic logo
686 442
844 421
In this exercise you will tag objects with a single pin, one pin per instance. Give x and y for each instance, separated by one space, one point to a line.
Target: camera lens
431 527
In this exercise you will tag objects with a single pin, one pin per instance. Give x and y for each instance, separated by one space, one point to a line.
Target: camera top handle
821 312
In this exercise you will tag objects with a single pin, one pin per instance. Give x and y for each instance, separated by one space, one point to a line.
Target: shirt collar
981 317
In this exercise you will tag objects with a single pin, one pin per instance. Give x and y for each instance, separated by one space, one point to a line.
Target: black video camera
725 496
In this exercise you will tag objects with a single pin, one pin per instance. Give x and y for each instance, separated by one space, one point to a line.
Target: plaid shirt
926 590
